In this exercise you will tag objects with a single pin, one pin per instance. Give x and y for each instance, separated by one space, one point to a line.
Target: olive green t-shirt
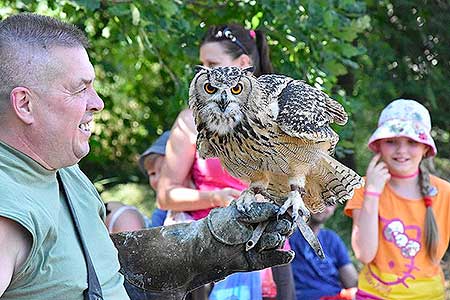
55 268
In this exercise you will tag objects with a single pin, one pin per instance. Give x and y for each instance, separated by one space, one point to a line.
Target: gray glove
170 261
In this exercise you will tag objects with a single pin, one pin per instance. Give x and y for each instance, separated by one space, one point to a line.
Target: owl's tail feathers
340 181
336 111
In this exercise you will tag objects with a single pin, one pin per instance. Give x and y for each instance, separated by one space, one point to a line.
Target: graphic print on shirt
407 239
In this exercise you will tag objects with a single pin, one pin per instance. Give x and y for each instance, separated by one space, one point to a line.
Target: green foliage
144 53
407 57
363 53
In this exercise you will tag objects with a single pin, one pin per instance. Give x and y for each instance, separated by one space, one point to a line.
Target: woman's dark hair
237 41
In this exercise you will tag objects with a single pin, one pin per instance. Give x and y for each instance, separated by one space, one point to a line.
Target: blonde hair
431 229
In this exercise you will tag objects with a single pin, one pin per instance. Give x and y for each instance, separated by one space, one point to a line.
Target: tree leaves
364 53
88 4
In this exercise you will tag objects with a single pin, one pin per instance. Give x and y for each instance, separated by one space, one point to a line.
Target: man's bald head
25 44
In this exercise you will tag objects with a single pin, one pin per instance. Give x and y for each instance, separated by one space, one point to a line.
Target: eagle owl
274 132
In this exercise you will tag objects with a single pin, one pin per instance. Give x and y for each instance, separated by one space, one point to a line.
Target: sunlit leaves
88 4
144 53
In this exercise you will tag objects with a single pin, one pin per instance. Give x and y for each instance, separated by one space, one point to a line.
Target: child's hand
377 174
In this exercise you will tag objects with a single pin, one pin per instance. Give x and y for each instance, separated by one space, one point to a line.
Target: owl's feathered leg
294 199
300 213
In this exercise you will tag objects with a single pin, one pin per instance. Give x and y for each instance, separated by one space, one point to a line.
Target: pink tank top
209 175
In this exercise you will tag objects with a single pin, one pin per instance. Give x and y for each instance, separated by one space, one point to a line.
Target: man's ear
20 101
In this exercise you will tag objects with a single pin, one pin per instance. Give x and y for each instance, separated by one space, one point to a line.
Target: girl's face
212 54
402 154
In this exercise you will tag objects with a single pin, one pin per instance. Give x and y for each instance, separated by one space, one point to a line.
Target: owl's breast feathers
256 147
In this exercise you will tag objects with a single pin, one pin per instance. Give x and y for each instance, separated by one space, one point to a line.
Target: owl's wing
306 112
273 84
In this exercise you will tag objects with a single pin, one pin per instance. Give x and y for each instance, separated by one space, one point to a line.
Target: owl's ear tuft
199 68
250 69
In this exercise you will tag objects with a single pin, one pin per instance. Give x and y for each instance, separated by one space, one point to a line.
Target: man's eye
81 90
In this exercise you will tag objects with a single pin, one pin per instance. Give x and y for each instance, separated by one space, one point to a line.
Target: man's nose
95 103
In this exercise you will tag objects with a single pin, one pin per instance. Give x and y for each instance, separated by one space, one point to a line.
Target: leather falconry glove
170 261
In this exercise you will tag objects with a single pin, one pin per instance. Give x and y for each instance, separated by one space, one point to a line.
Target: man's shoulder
14 197
8 178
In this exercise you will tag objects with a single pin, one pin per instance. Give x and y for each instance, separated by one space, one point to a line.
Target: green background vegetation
363 53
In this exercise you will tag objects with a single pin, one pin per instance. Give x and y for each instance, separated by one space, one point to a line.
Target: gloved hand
173 260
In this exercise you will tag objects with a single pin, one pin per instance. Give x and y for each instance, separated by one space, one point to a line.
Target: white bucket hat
404 118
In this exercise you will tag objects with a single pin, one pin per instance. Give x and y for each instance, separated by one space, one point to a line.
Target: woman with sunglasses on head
401 218
224 45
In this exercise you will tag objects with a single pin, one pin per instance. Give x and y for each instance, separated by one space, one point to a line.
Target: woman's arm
173 188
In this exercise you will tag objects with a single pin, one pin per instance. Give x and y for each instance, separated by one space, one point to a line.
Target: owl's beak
223 101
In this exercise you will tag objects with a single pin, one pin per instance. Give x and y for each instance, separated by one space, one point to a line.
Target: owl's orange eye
209 88
237 89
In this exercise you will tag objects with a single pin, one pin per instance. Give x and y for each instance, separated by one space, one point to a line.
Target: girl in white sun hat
401 218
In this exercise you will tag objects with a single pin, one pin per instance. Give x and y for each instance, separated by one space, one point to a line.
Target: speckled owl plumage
274 132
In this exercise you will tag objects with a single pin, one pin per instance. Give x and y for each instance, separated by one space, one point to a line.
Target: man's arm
15 246
348 276
172 260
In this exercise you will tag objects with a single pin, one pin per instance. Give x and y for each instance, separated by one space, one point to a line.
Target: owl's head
218 96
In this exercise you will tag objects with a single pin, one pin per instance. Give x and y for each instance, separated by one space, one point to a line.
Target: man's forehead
74 63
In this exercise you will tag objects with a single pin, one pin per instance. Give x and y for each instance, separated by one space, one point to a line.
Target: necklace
406 176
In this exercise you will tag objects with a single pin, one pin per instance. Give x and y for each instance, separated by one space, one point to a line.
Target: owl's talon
245 200
284 208
304 213
299 209
310 237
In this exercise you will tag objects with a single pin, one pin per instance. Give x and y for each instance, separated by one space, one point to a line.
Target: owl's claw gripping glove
173 260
